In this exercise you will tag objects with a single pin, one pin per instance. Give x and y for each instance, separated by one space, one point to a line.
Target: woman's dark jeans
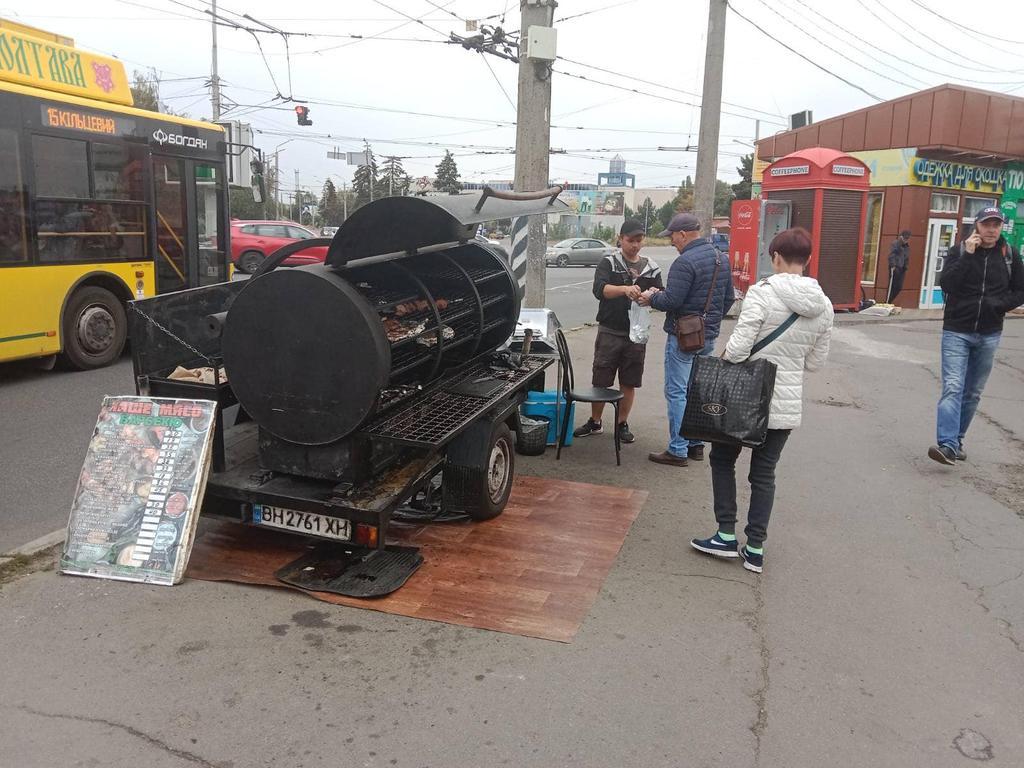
762 485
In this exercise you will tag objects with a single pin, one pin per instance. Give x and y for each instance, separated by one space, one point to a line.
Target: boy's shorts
617 354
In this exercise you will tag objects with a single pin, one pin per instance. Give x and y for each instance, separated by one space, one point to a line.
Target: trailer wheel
478 474
94 330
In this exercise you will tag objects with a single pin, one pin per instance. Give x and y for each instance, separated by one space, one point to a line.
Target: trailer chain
173 335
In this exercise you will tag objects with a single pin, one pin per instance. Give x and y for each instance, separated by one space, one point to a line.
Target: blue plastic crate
543 404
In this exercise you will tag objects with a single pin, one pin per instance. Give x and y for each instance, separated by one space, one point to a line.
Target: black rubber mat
352 571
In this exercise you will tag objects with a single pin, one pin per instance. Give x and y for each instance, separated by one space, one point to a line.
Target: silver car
584 251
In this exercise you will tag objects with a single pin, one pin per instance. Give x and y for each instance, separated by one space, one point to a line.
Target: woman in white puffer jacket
803 346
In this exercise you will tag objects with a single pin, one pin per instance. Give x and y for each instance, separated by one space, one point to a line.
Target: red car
253 241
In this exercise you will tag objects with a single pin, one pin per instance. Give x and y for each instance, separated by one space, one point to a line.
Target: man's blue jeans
966 363
677 376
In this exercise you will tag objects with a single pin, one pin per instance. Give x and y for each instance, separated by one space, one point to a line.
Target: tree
330 211
364 181
393 180
447 175
628 212
683 201
665 214
742 189
241 204
648 214
723 198
144 91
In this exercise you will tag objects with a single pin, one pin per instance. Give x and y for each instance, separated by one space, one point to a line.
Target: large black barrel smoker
363 384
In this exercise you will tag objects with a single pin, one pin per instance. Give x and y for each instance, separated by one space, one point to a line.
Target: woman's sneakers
752 561
716 546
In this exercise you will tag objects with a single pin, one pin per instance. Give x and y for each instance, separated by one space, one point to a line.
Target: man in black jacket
619 280
899 257
982 279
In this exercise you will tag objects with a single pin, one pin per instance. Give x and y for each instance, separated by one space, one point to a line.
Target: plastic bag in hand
639 323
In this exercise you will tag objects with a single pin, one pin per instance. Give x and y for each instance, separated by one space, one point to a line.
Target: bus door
190 223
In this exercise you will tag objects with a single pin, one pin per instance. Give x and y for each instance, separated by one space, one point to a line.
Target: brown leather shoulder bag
690 328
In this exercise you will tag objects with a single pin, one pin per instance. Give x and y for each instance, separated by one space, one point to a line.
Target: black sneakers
695 453
716 546
625 435
590 428
943 454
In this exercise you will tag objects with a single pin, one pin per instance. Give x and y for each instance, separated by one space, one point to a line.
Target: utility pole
533 144
214 78
298 198
710 115
277 185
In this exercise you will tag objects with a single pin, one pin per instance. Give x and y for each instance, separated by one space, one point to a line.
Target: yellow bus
100 202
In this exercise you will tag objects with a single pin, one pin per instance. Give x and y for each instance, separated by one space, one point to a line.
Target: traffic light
302 113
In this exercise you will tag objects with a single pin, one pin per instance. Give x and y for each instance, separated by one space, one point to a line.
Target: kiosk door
940 238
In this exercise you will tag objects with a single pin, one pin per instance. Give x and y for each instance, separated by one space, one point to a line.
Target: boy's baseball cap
681 222
632 227
989 213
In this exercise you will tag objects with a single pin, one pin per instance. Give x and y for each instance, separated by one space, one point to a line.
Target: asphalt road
886 631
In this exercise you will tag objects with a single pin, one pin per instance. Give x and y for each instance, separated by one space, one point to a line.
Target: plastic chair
583 395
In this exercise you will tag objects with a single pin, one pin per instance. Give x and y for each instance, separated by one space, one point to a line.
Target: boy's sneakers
752 561
942 454
590 428
715 546
624 434
695 453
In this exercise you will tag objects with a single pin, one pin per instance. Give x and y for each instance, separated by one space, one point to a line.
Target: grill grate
438 414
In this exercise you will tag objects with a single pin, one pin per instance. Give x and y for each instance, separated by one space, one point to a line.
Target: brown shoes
668 458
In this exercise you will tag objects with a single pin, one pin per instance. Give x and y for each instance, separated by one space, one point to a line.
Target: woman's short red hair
793 245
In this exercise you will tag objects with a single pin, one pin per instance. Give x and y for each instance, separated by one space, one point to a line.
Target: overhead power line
838 53
962 58
878 49
966 27
802 56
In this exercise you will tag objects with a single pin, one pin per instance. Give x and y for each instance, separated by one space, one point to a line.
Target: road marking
38 545
569 285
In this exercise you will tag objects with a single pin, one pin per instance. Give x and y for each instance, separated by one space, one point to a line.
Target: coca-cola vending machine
753 224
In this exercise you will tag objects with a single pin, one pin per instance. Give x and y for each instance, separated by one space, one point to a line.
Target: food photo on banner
137 503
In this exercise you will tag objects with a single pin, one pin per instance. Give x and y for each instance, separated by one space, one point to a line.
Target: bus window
171 232
210 216
13 247
71 231
117 171
62 167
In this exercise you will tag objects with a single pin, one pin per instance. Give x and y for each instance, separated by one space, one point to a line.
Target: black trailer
374 382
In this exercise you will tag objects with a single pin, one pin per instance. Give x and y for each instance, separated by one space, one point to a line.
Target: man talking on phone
983 279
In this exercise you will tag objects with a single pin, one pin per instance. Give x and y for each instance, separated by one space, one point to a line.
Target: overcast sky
346 82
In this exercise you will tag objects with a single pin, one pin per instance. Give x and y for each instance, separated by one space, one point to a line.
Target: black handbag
729 402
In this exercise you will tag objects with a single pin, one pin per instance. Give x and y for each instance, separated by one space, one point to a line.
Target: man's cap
681 222
989 213
632 227
906 233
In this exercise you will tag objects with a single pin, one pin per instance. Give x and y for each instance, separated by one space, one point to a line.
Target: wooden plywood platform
534 570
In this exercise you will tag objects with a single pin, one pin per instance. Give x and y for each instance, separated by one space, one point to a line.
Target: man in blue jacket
690 279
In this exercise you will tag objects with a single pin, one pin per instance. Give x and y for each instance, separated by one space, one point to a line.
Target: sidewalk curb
36 545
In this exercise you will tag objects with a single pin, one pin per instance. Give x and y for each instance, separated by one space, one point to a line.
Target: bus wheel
95 328
250 261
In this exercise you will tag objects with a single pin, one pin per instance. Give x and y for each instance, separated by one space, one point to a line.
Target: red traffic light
302 113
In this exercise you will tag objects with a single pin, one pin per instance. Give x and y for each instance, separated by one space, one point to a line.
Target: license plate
302 522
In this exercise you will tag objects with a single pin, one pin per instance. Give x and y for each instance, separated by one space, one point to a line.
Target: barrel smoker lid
407 224
306 354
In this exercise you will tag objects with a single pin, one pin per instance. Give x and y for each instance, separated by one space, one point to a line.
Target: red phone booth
826 192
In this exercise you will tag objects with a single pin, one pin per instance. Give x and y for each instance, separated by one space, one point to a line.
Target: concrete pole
298 198
710 115
533 143
214 78
277 185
